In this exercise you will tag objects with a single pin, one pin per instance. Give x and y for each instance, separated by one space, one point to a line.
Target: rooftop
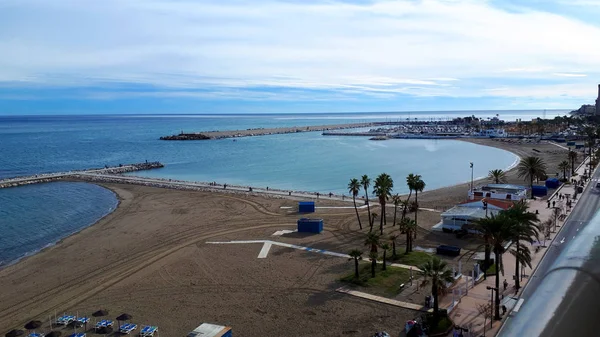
506 186
473 212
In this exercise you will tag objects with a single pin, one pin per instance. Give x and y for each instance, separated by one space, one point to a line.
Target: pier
48 177
270 131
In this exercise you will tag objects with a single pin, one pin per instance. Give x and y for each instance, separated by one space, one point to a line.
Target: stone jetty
266 131
48 177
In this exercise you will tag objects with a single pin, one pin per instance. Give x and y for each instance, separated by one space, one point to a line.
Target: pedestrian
267 188
503 309
290 193
553 203
505 284
548 204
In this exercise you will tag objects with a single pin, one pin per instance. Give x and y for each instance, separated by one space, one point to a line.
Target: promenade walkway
466 313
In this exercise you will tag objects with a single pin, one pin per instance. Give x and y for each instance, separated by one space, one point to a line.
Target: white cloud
381 48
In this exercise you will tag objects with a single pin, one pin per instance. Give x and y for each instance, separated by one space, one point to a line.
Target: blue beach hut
552 183
539 191
306 225
306 207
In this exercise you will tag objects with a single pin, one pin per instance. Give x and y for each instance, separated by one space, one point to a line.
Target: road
531 296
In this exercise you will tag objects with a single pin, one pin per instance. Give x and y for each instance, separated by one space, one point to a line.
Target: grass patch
413 258
491 270
385 283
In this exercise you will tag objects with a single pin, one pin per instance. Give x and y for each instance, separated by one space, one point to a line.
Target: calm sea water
303 161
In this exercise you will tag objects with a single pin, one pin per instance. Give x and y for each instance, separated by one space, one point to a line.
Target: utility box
539 191
552 183
306 207
306 225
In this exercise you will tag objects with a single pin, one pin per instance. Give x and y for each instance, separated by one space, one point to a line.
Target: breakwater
49 177
267 131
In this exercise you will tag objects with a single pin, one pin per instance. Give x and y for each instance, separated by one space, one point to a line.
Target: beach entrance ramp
306 207
306 225
211 330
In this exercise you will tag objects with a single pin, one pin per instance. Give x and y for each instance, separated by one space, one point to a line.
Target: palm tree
382 189
498 176
500 229
396 200
419 187
393 238
405 205
572 159
373 216
365 181
373 256
356 255
408 226
531 168
372 241
436 272
564 166
410 183
385 248
354 188
525 229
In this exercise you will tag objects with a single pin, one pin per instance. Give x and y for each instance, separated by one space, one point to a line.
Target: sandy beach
150 258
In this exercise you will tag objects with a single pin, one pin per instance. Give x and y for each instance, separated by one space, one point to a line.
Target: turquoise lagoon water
302 161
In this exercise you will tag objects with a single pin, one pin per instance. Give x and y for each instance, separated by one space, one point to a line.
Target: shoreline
57 242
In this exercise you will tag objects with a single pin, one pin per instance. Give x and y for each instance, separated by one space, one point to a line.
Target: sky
277 56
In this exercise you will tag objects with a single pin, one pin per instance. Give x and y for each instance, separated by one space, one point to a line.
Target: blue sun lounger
65 320
79 334
148 330
34 334
104 323
83 320
127 328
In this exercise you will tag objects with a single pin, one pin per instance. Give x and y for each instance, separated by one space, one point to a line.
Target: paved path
385 300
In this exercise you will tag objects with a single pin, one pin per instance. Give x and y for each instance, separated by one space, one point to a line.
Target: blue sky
235 56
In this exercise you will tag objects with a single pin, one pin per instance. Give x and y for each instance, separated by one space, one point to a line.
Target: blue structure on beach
539 191
306 207
306 225
552 183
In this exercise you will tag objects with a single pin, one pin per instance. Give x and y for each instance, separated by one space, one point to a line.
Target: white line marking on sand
265 250
519 304
284 231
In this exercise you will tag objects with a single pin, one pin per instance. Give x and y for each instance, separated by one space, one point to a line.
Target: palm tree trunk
381 218
368 209
517 279
416 213
356 209
497 302
384 266
436 306
531 185
373 263
395 212
356 268
405 208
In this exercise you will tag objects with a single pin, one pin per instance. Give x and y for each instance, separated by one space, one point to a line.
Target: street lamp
492 299
471 164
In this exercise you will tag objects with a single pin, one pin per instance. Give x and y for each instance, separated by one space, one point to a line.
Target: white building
506 192
493 133
468 212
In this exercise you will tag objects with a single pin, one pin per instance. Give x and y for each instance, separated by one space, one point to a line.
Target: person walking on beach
505 284
553 203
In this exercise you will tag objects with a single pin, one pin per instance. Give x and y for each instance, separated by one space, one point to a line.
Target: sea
36 216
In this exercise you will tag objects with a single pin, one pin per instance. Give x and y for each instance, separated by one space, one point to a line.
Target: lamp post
471 164
492 299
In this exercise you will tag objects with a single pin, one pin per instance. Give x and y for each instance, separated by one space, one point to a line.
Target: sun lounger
65 320
78 334
83 320
34 334
148 330
127 328
104 323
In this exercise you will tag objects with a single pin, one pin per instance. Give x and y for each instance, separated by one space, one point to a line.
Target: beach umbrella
123 317
100 313
33 325
54 334
14 333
